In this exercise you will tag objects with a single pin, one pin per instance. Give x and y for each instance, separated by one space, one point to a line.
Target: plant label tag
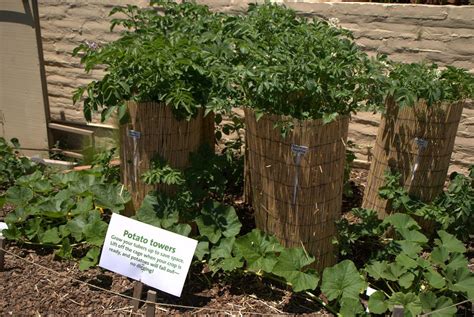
156 257
3 226
299 149
134 134
421 143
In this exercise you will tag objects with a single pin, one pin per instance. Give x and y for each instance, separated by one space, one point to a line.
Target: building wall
442 34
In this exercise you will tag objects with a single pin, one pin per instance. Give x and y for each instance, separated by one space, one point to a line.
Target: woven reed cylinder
309 220
153 130
396 149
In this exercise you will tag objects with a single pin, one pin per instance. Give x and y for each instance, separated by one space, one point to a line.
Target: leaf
409 301
217 220
290 263
377 269
90 259
413 236
342 281
76 227
406 280
183 229
435 279
457 261
221 256
378 303
401 221
449 242
439 255
259 250
464 282
18 196
410 248
441 307
65 251
83 205
202 250
406 261
95 231
51 236
350 307
112 197
329 117
223 249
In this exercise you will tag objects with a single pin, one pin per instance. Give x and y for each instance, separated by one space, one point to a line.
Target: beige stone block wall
442 34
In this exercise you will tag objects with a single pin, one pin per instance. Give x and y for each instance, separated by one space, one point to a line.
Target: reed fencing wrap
154 131
297 197
417 142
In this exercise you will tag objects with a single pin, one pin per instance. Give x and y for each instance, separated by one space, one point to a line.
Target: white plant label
134 134
2 227
156 257
299 149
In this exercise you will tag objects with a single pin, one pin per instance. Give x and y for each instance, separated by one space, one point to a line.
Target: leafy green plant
343 284
418 277
12 165
359 238
293 66
217 225
65 211
350 157
409 83
167 57
451 211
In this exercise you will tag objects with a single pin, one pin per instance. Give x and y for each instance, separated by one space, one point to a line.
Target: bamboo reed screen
271 164
396 149
159 134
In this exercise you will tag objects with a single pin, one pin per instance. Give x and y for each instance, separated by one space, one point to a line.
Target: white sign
2 227
154 256
134 134
299 149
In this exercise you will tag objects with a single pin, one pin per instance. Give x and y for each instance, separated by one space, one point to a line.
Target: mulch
33 289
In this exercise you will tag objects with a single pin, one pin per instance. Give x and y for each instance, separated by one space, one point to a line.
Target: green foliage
217 224
408 83
63 211
417 276
358 235
12 165
452 211
350 157
102 160
302 68
168 57
343 283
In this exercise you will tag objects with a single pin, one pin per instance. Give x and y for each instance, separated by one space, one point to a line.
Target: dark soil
29 289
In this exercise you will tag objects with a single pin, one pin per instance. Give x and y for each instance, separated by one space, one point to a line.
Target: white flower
334 22
92 45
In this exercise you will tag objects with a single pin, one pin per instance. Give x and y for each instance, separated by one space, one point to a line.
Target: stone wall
443 34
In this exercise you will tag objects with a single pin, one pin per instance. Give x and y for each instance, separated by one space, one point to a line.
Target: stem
378 289
389 287
50 245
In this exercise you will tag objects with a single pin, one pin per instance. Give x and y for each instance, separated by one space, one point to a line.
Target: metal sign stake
299 151
422 145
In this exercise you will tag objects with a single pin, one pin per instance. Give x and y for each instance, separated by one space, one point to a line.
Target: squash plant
166 53
65 211
294 66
